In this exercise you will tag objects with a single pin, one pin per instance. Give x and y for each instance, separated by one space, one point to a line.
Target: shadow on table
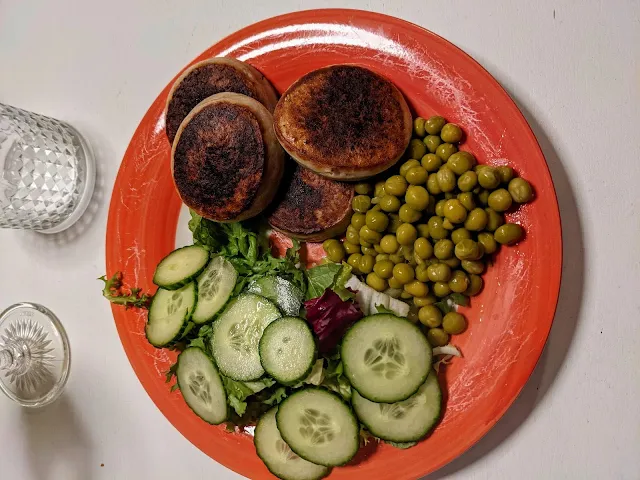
565 321
57 442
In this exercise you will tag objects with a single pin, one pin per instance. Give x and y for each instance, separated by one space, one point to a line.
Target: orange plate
508 323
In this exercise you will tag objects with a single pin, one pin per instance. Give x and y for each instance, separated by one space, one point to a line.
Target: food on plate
209 77
321 358
344 122
226 161
425 232
311 207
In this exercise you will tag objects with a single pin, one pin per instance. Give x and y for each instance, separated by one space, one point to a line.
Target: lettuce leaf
320 278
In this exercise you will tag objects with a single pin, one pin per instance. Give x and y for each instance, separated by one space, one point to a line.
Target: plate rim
243 32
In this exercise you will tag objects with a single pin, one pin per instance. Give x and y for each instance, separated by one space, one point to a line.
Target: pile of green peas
429 229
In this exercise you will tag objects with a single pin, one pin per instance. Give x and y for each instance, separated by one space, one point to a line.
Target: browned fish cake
344 122
311 207
226 161
206 78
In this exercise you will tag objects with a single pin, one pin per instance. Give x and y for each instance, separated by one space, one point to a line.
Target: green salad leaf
320 278
383 309
446 305
402 446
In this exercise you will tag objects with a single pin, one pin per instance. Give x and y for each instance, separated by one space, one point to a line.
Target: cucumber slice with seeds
278 456
319 427
288 350
283 293
236 336
180 267
215 285
386 358
405 421
201 385
169 312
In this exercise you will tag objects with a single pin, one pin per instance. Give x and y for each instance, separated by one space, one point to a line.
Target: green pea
433 186
421 272
417 149
361 203
406 234
443 249
451 133
327 244
354 261
384 269
418 127
439 272
446 150
377 248
454 211
381 257
476 220
403 273
441 289
459 281
369 251
369 236
423 248
407 165
395 185
393 283
389 203
467 181
505 173
378 190
446 223
467 200
440 207
430 299
437 337
473 266
376 221
417 197
488 178
433 125
509 234
475 285
396 258
431 162
351 248
423 230
408 214
363 189
417 176
461 162
500 200
446 179
483 197
488 242
430 316
469 250
432 142
520 190
353 235
375 282
494 219
460 234
394 223
416 288
358 221
453 262
454 323
436 228
389 244
366 263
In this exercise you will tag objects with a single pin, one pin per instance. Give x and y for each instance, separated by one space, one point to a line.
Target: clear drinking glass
34 355
47 172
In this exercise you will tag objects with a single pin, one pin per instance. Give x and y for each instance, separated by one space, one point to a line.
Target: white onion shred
368 299
448 352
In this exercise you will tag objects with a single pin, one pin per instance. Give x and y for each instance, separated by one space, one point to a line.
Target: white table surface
574 69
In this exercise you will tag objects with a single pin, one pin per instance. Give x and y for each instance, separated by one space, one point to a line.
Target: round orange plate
508 323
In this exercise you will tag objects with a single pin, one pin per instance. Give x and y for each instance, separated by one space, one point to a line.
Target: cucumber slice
288 350
201 385
405 421
215 284
319 427
283 293
278 456
169 312
386 358
180 267
236 336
